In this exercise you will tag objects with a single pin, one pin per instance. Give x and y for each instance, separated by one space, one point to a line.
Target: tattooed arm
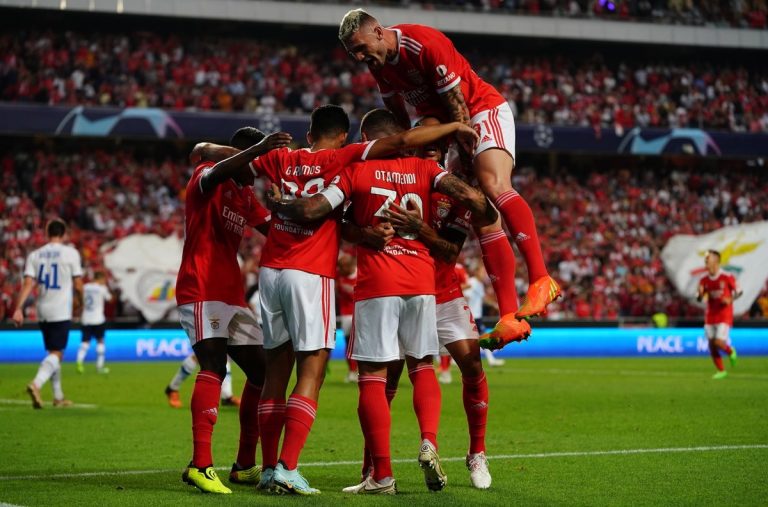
457 108
482 212
440 246
305 209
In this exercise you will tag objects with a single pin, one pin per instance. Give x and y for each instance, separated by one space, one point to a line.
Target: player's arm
396 104
483 213
26 290
77 291
304 209
455 105
420 136
211 152
702 295
238 164
376 237
409 221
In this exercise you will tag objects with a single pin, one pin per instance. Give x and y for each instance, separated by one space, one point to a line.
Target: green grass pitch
555 429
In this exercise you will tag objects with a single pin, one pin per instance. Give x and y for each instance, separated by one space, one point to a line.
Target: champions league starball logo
543 136
677 141
132 120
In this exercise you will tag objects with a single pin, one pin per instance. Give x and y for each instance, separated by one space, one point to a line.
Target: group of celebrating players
408 217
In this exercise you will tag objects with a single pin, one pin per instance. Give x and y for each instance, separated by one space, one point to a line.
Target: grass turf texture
537 407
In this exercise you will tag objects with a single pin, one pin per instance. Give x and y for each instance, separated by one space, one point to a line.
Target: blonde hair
352 21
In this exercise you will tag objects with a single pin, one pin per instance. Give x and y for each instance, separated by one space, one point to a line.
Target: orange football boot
232 401
508 329
540 293
173 398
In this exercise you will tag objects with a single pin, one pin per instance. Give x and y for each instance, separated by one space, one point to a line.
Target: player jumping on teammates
420 65
93 321
394 295
718 290
210 295
56 271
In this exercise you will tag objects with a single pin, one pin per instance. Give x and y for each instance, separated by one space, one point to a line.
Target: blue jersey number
89 302
51 279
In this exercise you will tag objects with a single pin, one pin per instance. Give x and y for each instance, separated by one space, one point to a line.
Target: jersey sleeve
435 172
259 215
267 165
355 152
197 176
30 267
76 264
439 63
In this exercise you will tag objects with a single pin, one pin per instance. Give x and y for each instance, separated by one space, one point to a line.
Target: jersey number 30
390 198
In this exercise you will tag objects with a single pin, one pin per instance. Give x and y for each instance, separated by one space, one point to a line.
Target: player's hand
379 236
467 138
18 318
276 140
272 197
406 221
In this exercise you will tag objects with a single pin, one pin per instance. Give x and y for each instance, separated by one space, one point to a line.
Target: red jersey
345 291
427 64
717 287
313 247
446 212
404 267
214 225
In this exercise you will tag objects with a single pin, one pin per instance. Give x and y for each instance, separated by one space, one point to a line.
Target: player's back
54 266
300 173
94 296
404 267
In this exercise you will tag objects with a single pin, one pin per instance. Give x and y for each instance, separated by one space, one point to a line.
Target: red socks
727 349
300 413
426 401
499 261
519 219
475 396
205 411
367 461
249 425
375 421
352 364
445 363
271 421
715 353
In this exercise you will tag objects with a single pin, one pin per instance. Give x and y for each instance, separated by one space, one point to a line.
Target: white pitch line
45 404
617 452
629 373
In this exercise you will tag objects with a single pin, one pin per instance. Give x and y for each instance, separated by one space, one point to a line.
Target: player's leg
187 367
85 344
347 329
499 261
444 371
55 337
280 359
457 332
417 333
723 342
246 349
377 350
101 349
493 164
375 422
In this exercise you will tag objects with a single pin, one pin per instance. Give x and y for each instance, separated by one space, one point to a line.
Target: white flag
743 254
145 267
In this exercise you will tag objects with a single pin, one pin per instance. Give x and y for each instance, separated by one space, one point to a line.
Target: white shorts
214 319
455 322
384 326
297 306
345 322
496 128
718 332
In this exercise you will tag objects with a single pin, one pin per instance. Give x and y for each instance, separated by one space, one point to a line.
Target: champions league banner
18 346
217 126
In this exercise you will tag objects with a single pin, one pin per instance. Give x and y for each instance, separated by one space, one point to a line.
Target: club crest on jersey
443 208
214 323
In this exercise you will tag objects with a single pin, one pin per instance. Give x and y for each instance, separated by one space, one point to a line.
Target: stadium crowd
602 232
747 14
197 73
